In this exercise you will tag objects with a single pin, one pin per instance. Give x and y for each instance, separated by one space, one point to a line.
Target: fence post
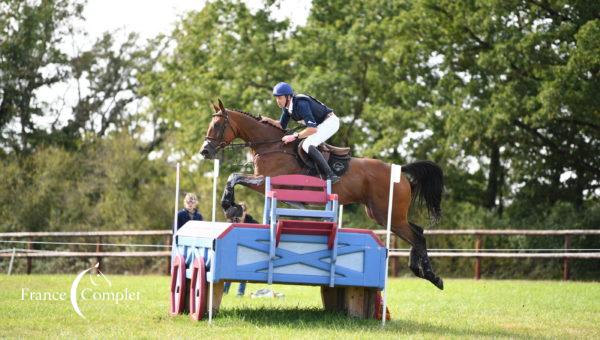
98 258
168 243
12 260
477 259
566 259
393 266
397 258
29 258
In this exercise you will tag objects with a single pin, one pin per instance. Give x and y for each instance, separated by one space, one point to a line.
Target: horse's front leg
254 182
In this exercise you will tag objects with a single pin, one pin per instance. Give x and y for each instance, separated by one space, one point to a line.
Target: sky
151 17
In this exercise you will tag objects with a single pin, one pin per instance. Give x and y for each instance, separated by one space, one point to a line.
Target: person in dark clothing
244 218
320 121
190 212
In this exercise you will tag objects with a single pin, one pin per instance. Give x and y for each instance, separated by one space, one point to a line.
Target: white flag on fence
216 168
396 171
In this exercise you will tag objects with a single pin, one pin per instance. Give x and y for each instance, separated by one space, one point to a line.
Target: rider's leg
324 131
318 158
241 289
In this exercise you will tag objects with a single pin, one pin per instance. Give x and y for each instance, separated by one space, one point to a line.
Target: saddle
338 158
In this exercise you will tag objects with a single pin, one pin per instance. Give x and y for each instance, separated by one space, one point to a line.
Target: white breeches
324 131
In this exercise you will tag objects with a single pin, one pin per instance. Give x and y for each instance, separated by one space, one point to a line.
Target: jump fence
20 245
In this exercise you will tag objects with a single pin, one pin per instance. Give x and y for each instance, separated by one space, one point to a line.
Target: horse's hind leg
418 254
419 262
377 206
414 261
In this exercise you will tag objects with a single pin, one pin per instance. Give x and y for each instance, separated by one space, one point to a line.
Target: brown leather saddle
337 157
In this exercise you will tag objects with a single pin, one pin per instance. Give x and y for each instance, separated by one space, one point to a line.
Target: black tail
427 183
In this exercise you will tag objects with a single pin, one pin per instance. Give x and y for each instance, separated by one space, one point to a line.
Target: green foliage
30 59
222 51
109 184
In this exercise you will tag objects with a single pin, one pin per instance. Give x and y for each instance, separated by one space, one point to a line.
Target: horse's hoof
234 211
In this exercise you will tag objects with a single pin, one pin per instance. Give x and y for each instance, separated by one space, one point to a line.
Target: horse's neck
253 131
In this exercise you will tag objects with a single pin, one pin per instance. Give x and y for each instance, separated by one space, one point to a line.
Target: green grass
467 308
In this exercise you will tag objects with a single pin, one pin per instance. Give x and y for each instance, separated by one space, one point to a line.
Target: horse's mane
257 118
246 113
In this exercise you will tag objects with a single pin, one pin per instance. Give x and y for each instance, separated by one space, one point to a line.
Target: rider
321 123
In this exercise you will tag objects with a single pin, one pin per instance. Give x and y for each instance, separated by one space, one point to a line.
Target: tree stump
359 302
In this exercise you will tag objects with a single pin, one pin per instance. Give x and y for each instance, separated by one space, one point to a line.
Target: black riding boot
321 163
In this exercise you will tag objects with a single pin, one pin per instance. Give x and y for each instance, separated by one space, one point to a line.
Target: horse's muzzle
208 150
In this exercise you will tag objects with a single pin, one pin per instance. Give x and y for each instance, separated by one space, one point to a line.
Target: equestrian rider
321 123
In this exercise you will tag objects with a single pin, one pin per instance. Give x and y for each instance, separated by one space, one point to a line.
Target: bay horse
366 181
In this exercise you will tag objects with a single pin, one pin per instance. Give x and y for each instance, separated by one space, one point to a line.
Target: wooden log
217 295
358 302
355 301
333 299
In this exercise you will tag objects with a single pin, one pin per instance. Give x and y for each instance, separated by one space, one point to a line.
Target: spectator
190 212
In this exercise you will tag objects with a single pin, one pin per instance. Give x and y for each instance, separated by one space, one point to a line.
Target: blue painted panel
256 249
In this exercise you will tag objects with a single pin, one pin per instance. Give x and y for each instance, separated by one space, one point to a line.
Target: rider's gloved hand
289 138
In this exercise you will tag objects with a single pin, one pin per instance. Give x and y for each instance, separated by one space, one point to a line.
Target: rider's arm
306 113
309 119
307 132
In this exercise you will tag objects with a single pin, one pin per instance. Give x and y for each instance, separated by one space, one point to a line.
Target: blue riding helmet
283 89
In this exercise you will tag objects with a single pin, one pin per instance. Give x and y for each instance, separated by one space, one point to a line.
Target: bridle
219 142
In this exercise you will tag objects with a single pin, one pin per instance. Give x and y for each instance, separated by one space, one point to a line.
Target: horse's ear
214 107
221 107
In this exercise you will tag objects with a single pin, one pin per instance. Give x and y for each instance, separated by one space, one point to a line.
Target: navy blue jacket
183 216
306 108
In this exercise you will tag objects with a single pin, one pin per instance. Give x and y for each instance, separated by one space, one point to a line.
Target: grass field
466 308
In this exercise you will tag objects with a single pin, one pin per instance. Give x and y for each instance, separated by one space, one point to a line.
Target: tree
223 51
107 87
502 71
29 60
341 55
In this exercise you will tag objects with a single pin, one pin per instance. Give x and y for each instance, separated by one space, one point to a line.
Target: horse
366 181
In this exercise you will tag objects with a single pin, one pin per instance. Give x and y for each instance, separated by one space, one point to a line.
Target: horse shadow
316 318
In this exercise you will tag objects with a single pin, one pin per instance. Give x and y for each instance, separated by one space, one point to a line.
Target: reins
220 143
